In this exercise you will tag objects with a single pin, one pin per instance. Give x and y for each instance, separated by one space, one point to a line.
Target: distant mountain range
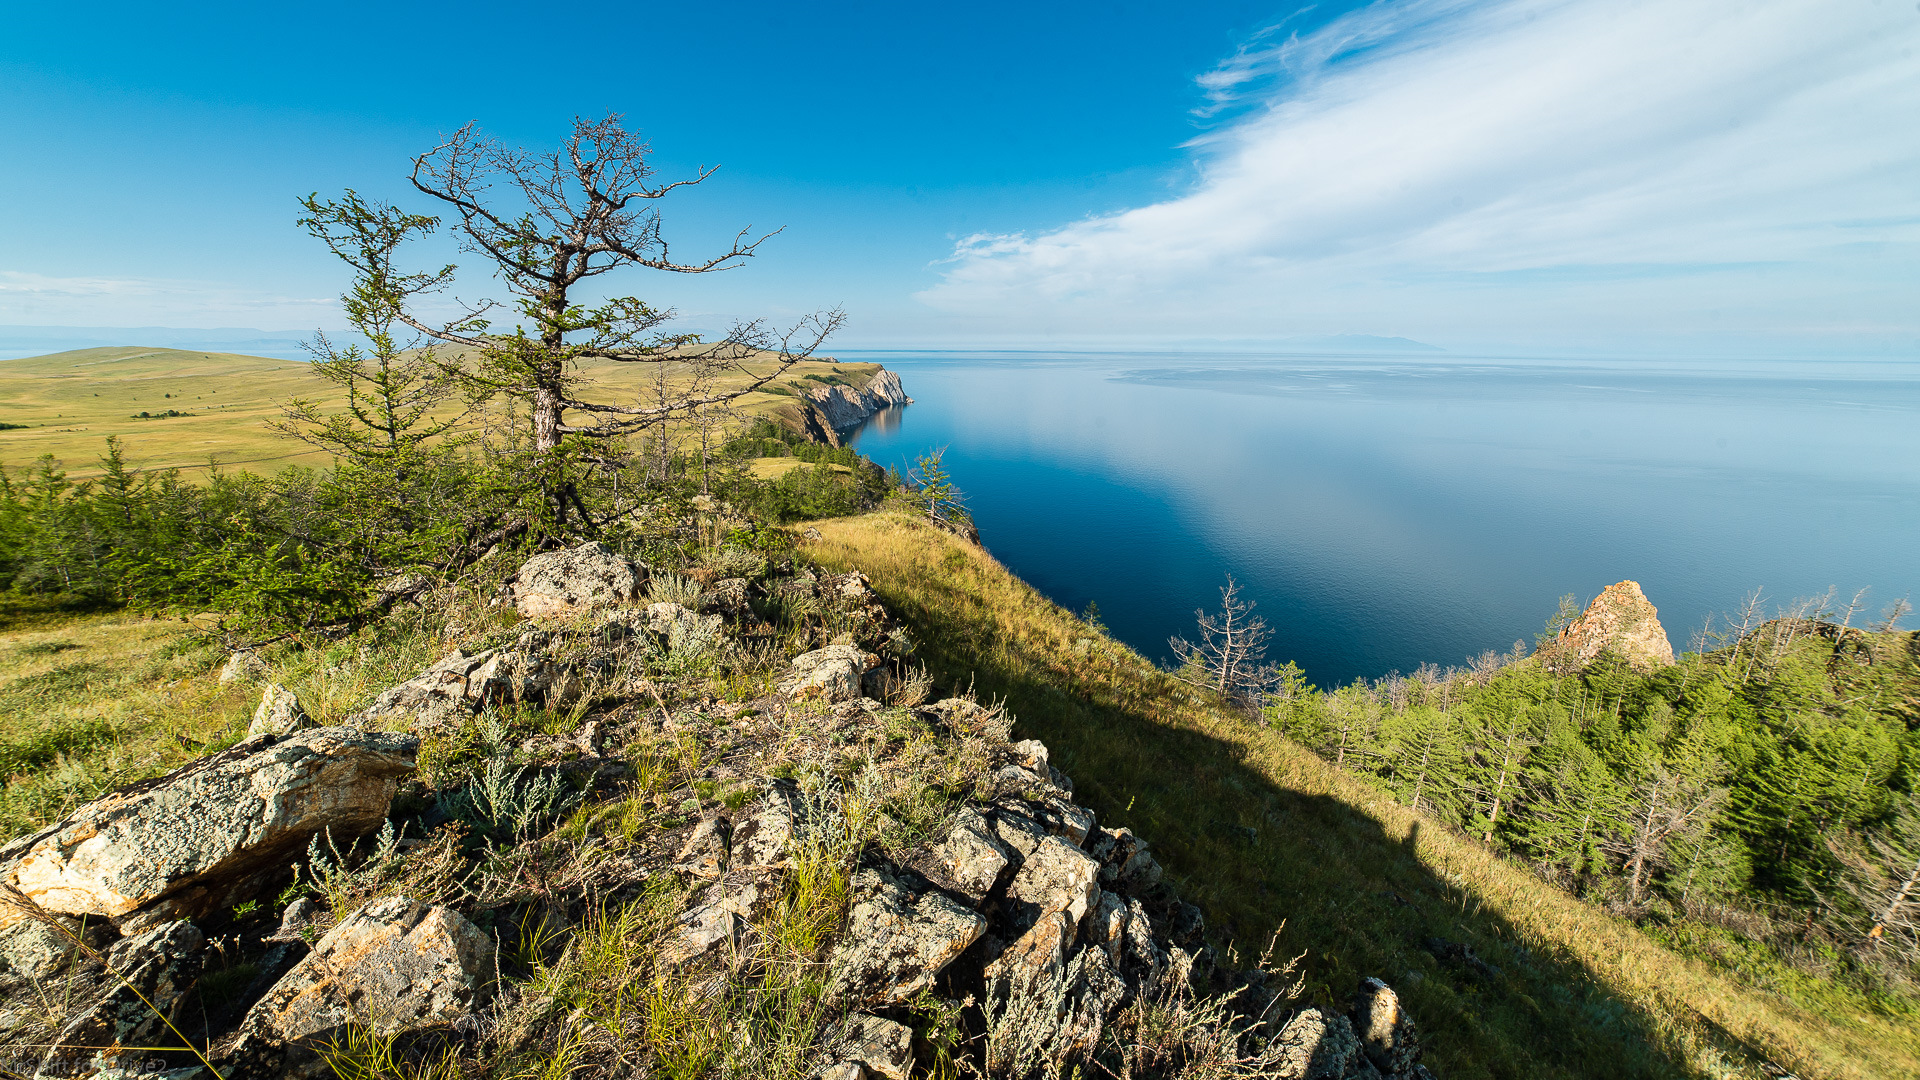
18 341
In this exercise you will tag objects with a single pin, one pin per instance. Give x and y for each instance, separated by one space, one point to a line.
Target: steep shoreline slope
1511 976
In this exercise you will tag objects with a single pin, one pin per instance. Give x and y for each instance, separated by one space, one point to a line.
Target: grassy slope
91 701
74 400
1262 833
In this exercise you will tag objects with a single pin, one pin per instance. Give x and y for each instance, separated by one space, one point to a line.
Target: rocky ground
676 824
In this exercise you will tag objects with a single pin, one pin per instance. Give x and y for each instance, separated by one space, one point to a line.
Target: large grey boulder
198 838
393 966
900 935
279 713
562 584
832 673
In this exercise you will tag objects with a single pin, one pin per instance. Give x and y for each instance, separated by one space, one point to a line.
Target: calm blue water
1389 512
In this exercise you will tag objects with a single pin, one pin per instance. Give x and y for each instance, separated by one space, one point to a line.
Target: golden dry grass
70 402
1260 831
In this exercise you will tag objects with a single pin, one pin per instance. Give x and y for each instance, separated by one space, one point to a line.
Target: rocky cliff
827 411
625 834
1622 621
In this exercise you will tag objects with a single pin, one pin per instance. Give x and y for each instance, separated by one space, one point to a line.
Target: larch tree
551 224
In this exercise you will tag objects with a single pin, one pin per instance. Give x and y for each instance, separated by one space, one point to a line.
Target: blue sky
1679 176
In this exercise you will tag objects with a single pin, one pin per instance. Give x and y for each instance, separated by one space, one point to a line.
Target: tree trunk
1886 915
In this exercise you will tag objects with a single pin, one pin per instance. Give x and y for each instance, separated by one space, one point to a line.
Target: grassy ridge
69 403
1265 835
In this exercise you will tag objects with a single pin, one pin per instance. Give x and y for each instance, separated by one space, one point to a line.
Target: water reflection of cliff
884 422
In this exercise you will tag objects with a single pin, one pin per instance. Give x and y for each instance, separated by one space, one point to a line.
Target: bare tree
1884 883
1890 617
1663 805
1229 657
551 223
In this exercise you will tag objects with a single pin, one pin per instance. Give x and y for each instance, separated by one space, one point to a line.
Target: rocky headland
828 411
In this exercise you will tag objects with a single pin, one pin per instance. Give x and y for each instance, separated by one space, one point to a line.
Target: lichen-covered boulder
969 860
881 1047
562 584
1055 876
243 666
393 966
197 838
436 695
279 713
454 687
681 631
33 951
832 673
765 838
900 934
1622 621
1316 1046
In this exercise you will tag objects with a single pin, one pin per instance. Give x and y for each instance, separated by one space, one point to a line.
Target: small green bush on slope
1262 833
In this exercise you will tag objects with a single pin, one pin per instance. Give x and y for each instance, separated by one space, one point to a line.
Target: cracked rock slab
188 842
900 934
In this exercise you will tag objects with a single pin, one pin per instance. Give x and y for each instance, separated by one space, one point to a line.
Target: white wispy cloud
28 298
1536 166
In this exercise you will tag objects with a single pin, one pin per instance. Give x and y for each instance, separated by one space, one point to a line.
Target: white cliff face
844 407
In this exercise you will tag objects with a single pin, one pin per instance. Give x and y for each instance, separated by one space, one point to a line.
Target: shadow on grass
1359 902
22 612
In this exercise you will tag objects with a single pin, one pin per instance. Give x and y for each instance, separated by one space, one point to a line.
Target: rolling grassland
67 404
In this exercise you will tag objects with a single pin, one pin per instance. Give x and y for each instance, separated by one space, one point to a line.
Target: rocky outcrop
1620 621
561 584
393 966
833 673
822 414
898 862
193 840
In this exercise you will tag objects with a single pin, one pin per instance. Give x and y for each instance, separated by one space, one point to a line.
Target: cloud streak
1530 167
28 298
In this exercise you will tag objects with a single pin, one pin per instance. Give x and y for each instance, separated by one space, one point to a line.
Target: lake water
1386 512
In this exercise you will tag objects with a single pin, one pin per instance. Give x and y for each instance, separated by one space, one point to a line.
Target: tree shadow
1315 875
